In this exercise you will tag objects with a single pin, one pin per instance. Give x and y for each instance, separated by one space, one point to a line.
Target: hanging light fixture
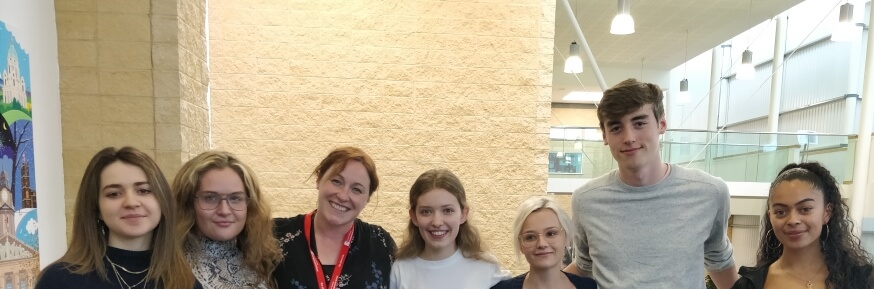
683 96
623 24
846 29
573 63
746 69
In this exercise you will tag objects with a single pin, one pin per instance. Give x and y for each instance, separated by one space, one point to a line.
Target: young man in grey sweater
649 224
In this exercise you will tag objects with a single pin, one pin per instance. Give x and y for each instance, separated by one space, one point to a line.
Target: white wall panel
815 73
825 118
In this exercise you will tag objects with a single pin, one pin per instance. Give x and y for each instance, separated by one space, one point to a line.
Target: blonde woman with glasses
225 223
542 229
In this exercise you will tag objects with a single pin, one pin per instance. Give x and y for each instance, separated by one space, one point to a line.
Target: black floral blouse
368 264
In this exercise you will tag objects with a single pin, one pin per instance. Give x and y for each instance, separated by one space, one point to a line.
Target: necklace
810 281
125 269
117 275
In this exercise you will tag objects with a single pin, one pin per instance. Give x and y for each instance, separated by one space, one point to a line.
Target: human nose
131 199
437 220
224 206
793 218
628 136
542 242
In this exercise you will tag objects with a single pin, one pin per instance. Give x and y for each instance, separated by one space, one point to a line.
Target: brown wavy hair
260 248
468 238
849 266
628 96
167 267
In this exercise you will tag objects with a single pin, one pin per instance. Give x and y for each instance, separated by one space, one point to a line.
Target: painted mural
19 246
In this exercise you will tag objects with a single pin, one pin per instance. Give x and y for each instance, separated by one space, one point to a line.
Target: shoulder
581 282
605 180
750 277
697 176
55 275
296 221
377 239
512 283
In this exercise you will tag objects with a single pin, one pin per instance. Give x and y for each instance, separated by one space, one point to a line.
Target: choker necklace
123 282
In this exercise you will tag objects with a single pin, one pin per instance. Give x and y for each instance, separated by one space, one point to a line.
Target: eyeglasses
530 239
209 202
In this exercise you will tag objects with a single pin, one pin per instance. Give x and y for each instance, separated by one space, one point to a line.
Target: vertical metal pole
585 45
777 78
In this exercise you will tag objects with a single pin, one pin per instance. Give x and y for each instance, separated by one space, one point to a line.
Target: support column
715 83
863 146
777 77
851 96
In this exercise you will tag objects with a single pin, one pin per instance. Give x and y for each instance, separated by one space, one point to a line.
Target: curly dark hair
849 266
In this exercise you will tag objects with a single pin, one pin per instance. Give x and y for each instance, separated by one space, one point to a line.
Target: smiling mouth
339 207
629 150
438 233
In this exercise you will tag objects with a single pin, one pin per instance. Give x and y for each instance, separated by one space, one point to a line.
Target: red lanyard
341 258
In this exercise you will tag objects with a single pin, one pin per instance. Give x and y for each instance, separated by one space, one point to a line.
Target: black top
516 282
367 266
754 277
55 276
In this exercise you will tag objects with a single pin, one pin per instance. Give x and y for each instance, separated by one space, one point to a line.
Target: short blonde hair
535 204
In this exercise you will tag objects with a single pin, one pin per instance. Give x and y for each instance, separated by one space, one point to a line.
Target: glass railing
579 152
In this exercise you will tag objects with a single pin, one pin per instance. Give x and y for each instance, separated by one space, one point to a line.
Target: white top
456 272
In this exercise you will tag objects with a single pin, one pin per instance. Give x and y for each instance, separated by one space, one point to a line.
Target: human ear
827 215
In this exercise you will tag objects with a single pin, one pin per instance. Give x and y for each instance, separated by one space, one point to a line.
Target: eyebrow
546 229
798 203
119 186
442 206
217 193
635 118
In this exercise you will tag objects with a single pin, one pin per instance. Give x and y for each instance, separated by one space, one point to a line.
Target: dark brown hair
167 267
849 266
627 96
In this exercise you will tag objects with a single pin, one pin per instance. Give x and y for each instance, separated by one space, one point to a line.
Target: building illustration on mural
19 245
13 81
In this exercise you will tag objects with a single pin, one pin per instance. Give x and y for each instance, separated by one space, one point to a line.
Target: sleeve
718 253
395 274
498 274
582 259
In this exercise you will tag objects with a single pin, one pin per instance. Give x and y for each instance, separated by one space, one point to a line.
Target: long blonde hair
260 248
468 239
167 267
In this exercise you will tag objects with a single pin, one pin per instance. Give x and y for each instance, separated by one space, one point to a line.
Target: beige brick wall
463 85
128 78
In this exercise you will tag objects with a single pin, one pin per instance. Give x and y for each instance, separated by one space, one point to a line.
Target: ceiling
657 45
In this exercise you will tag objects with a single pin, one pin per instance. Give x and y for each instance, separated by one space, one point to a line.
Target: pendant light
573 63
683 96
623 24
746 69
846 29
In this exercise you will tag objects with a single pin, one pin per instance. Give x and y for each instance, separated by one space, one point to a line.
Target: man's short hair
627 96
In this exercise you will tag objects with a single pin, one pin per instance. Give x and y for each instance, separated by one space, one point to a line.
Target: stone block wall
462 85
